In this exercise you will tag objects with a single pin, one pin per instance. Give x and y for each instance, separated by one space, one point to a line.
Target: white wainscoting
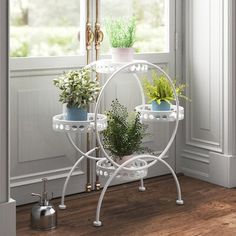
204 73
37 151
209 149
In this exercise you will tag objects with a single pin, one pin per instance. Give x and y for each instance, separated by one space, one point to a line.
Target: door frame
7 205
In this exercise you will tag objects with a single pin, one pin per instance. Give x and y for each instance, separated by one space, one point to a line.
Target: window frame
64 62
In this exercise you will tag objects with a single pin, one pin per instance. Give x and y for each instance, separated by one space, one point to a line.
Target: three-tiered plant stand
135 168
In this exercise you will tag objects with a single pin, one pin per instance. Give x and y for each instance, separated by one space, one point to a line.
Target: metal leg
62 205
97 186
97 222
141 187
97 183
179 201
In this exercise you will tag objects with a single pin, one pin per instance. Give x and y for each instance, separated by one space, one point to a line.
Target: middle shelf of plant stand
147 114
62 125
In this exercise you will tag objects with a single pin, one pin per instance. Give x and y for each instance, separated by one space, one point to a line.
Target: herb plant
121 32
124 132
160 89
77 88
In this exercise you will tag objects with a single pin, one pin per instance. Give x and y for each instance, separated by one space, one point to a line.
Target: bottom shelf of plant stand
106 169
147 114
62 125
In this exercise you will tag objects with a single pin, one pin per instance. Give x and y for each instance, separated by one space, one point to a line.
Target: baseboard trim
222 169
195 174
8 218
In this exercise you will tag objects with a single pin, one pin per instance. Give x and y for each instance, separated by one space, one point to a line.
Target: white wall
209 151
7 206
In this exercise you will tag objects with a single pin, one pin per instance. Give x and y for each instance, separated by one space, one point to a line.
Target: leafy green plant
160 89
121 32
124 132
21 51
77 88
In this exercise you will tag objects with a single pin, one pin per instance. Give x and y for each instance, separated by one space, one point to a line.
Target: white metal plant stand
135 168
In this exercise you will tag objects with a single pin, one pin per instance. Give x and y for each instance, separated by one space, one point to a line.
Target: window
45 33
44 28
151 18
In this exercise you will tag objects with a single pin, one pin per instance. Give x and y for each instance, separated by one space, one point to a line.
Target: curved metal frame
62 206
179 201
99 100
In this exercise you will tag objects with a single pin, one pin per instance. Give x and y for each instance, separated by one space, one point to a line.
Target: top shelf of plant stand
68 126
107 66
147 114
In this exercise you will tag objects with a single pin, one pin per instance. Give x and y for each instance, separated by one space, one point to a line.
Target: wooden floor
208 210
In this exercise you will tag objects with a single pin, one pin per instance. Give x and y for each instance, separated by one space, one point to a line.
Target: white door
43 40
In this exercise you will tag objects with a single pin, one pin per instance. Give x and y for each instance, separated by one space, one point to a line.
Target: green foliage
60 40
77 88
124 132
21 51
160 89
121 32
30 41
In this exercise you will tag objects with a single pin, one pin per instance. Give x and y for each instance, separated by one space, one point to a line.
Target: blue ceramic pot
163 106
75 113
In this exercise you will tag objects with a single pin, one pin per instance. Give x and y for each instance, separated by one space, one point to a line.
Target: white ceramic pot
122 54
124 159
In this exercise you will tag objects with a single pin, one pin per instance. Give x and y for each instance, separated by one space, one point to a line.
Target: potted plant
160 92
78 90
121 34
124 133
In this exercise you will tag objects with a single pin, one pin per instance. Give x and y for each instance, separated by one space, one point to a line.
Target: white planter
122 54
106 169
124 159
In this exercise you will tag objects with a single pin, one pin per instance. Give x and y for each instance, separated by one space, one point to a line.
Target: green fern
124 132
121 32
160 89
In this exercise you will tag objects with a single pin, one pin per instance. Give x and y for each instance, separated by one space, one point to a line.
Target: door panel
36 150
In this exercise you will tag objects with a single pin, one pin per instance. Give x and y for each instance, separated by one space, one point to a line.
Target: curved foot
179 202
97 223
141 189
62 206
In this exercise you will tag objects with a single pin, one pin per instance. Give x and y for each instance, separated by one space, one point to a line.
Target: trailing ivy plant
160 89
124 132
121 32
77 88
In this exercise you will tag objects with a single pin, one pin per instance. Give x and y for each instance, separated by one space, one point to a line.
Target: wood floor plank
208 210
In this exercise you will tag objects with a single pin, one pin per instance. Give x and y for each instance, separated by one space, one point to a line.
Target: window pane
152 18
44 28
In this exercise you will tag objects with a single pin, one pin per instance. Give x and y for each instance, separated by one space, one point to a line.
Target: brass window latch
89 36
98 36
